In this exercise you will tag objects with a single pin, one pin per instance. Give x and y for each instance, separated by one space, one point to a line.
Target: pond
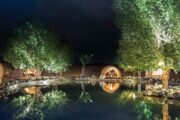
67 102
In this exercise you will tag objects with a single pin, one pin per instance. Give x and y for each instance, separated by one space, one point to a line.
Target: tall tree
35 46
84 59
137 47
164 18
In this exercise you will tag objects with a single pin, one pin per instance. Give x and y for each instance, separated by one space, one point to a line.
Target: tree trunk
165 111
165 77
83 70
82 85
139 82
148 74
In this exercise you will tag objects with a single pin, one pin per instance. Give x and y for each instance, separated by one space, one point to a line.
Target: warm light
133 96
110 72
31 90
110 87
161 63
159 72
28 109
45 82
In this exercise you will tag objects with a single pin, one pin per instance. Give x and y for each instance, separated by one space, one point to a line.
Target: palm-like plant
84 59
84 96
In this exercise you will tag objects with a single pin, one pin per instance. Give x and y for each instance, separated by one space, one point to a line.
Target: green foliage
130 82
143 106
146 25
35 46
177 118
125 97
32 107
54 99
85 97
85 59
137 48
164 18
144 111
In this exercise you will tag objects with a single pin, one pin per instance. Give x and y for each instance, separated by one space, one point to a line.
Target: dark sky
87 24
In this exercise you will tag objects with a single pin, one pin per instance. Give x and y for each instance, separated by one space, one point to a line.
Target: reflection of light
31 90
26 89
45 82
27 109
133 95
130 82
15 86
110 87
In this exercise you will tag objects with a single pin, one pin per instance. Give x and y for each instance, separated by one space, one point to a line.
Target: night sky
87 24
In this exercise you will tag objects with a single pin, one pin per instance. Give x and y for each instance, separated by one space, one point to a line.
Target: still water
71 102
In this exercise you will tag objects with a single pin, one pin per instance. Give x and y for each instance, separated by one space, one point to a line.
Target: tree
35 46
34 107
164 18
137 48
84 96
84 59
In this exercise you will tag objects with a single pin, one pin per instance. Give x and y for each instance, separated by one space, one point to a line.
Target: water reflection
125 103
84 96
110 87
144 105
33 107
125 97
33 91
144 111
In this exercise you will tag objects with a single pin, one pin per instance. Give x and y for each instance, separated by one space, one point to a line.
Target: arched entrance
110 72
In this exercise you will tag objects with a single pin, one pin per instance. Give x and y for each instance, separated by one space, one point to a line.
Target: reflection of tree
144 111
143 105
84 59
32 107
165 112
84 96
130 82
28 107
125 97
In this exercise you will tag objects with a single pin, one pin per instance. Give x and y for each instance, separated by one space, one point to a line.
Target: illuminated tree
164 18
137 51
126 97
144 111
159 21
32 107
84 96
84 59
35 46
